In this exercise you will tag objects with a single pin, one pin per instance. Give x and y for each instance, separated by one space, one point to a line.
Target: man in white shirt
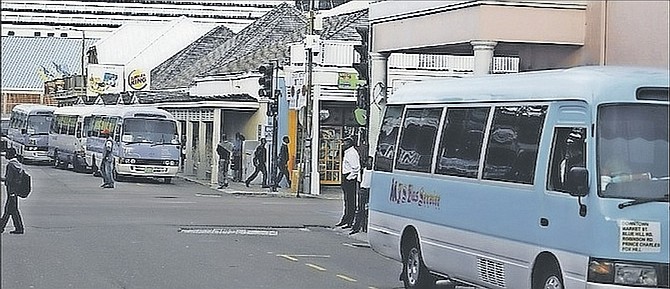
351 165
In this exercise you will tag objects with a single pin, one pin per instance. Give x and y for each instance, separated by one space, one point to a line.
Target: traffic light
273 104
362 98
362 49
265 81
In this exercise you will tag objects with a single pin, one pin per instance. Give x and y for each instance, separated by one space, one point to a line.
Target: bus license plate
148 170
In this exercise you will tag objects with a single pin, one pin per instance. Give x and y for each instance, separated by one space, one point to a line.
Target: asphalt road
145 234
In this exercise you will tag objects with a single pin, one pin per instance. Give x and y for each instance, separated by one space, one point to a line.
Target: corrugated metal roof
343 27
27 62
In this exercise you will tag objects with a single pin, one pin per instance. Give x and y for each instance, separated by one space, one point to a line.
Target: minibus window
388 135
568 150
461 143
632 149
513 142
418 138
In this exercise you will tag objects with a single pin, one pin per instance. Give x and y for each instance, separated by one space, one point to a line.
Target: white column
315 177
377 84
483 55
188 166
202 150
216 136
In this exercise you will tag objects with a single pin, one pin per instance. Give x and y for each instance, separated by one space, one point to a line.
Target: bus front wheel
415 274
548 277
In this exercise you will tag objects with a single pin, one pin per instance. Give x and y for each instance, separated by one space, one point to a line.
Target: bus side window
461 144
567 151
511 153
388 136
418 138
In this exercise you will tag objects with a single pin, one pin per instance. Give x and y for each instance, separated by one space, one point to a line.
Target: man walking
283 163
351 164
11 179
259 164
107 164
224 150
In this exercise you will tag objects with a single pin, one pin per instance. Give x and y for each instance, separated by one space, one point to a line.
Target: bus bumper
36 156
147 170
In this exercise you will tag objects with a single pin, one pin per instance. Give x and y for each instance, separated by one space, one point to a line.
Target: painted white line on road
312 256
288 257
315 267
347 278
229 231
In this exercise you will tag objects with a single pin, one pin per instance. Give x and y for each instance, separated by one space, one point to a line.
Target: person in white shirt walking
361 219
351 166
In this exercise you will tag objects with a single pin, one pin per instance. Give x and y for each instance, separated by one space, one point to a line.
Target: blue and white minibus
547 179
28 131
67 137
146 141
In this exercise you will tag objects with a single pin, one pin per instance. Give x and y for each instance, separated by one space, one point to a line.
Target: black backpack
23 184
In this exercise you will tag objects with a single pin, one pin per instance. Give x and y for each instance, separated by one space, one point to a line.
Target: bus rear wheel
415 274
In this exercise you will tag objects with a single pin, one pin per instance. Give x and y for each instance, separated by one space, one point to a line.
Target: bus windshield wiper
643 201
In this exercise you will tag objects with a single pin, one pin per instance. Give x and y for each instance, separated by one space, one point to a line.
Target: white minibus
546 179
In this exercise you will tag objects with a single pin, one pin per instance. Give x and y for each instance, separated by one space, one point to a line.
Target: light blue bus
547 179
146 141
28 131
67 136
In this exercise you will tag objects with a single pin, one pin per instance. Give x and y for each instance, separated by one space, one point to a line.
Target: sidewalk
239 188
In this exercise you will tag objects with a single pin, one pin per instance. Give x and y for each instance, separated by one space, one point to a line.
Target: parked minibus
146 141
28 131
67 137
547 179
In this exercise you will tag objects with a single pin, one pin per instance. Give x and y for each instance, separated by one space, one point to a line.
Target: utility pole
308 138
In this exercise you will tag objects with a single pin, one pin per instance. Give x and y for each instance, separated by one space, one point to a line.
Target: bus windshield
155 131
633 151
39 124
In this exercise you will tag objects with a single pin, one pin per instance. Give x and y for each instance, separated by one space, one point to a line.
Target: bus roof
593 84
133 111
29 108
80 110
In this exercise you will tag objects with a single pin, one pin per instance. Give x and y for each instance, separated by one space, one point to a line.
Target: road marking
346 278
315 267
312 256
288 257
229 231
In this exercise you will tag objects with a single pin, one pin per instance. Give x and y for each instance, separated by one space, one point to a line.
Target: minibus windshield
155 131
39 124
633 151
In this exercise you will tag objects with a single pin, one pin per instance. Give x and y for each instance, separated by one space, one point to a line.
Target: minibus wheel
548 276
415 274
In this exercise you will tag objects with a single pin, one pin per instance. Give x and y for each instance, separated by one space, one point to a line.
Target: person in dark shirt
11 178
259 162
283 162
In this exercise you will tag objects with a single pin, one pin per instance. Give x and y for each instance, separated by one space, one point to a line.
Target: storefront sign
138 79
347 80
104 78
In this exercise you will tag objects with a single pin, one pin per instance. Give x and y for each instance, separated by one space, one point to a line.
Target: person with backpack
12 178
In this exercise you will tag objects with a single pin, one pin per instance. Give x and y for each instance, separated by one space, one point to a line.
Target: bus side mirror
578 181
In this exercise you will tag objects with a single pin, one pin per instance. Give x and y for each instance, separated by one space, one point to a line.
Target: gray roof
169 72
259 42
27 62
343 27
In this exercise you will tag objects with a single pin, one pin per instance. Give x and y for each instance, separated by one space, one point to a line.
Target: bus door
562 219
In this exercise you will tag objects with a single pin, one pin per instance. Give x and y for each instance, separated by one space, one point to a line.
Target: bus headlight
628 274
622 273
